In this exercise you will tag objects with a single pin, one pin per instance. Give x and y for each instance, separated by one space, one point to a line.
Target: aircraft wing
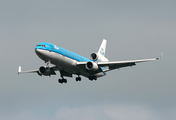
119 64
29 71
52 70
111 65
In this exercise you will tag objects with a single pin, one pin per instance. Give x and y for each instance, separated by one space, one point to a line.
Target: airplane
69 63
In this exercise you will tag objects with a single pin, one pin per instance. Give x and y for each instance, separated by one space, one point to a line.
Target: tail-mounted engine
92 66
96 57
44 71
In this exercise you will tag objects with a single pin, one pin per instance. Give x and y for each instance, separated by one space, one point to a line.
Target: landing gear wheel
92 78
65 80
62 81
78 78
59 81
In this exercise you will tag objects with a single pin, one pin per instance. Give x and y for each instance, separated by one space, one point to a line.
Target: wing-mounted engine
46 71
92 66
97 57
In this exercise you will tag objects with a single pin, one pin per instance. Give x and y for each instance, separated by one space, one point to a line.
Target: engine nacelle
95 56
44 71
92 66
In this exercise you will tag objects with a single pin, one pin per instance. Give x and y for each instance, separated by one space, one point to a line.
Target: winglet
161 55
19 69
159 58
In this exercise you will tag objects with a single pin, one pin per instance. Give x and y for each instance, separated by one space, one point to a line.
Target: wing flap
117 66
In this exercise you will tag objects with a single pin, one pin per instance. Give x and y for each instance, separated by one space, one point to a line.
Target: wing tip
19 69
159 58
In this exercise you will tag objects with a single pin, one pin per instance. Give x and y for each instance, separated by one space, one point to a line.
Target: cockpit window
41 45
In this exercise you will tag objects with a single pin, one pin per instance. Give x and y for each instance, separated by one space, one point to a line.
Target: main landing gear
78 78
62 80
92 78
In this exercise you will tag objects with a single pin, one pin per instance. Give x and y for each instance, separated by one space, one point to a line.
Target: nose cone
40 53
37 51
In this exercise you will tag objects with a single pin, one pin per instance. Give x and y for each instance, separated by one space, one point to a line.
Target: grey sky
134 30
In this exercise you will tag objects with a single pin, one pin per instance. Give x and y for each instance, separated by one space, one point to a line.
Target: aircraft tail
102 49
100 55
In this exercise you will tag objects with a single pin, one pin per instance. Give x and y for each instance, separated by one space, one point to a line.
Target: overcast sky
134 29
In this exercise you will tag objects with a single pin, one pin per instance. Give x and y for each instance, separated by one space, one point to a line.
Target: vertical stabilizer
102 49
100 55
